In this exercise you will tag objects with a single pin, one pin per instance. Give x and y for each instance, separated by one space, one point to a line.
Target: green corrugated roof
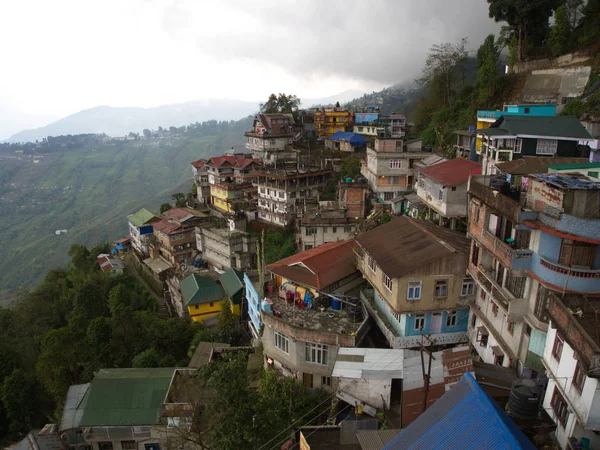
575 166
232 282
197 290
141 217
125 397
556 126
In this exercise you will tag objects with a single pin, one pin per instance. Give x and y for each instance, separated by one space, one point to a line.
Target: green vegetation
278 245
88 190
75 322
281 103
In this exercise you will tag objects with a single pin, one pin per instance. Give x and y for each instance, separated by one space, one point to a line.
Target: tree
179 199
147 133
228 328
18 394
165 207
487 67
280 104
445 62
88 305
99 337
588 30
560 33
528 20
350 167
148 358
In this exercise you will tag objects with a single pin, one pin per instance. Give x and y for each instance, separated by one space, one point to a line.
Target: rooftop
199 163
568 181
233 161
534 164
353 138
464 418
318 267
451 172
197 290
203 353
232 281
404 244
183 214
553 126
371 363
585 164
141 218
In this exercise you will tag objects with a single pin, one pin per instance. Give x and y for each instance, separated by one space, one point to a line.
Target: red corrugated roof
452 172
238 162
199 164
318 267
166 227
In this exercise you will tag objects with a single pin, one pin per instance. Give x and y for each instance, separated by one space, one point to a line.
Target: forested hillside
88 189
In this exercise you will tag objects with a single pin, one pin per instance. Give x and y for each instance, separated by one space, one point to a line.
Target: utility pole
426 376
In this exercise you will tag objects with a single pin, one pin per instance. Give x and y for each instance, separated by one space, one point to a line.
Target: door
307 379
436 323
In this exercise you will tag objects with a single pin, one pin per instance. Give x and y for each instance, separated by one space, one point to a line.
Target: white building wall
376 393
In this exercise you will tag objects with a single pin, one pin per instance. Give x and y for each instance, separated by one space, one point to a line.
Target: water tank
336 304
524 400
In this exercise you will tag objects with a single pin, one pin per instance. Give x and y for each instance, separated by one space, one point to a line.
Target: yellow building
329 121
223 198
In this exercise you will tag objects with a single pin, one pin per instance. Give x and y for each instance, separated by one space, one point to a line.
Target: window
421 182
473 321
308 247
453 188
419 321
483 342
128 445
527 110
576 253
546 146
395 164
282 342
494 310
347 229
311 231
281 194
387 282
372 265
451 319
559 342
468 287
559 406
393 180
387 196
441 288
334 229
579 377
441 194
326 381
316 353
527 330
518 145
475 255
510 327
499 360
541 302
414 290
105 446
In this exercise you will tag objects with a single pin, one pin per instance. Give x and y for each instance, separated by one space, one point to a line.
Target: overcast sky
62 56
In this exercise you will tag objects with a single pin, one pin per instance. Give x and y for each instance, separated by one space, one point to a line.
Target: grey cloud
384 41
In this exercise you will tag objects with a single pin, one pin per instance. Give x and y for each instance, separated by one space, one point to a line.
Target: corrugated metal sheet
71 415
464 418
375 440
369 363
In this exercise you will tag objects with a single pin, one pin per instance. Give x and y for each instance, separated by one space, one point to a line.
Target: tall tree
281 103
527 18
179 199
18 394
560 33
487 67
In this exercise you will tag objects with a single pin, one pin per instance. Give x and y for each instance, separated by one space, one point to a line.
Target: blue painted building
366 118
253 302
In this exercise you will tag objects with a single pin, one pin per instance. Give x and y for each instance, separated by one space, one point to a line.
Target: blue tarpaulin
355 139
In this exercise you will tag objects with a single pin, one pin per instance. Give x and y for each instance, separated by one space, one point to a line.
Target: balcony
569 279
512 258
516 308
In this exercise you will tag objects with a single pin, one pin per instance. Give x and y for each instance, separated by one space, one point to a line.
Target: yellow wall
199 313
481 125
221 204
280 280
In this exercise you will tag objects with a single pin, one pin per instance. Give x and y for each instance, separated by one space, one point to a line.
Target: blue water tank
336 304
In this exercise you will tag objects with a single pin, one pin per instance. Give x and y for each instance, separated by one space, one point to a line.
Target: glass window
282 342
518 145
128 445
372 265
414 290
451 319
316 353
334 229
468 287
326 381
510 327
395 164
494 309
419 321
311 231
559 342
579 377
559 406
105 446
546 146
441 288
387 282
441 194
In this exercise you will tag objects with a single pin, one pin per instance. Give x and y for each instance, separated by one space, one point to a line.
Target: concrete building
303 326
253 292
396 128
526 245
389 167
270 135
571 358
464 141
417 282
174 235
141 232
230 178
328 121
225 248
200 172
443 189
282 193
345 141
512 137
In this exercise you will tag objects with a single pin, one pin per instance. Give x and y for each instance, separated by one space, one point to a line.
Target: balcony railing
520 259
570 271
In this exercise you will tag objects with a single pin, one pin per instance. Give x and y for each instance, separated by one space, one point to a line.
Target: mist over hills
119 121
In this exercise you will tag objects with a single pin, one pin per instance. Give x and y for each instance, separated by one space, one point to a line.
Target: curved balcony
571 279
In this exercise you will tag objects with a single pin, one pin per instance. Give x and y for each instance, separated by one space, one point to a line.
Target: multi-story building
443 189
175 236
270 135
527 244
389 167
346 141
396 128
331 120
201 180
225 248
571 358
464 141
230 178
303 326
418 283
512 137
141 232
333 221
283 192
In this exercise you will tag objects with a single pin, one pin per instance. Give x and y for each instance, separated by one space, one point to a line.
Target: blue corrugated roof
464 418
353 138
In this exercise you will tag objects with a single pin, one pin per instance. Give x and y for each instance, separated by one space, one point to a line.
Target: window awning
497 350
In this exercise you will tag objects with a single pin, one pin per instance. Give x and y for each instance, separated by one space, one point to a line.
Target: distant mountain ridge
120 121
